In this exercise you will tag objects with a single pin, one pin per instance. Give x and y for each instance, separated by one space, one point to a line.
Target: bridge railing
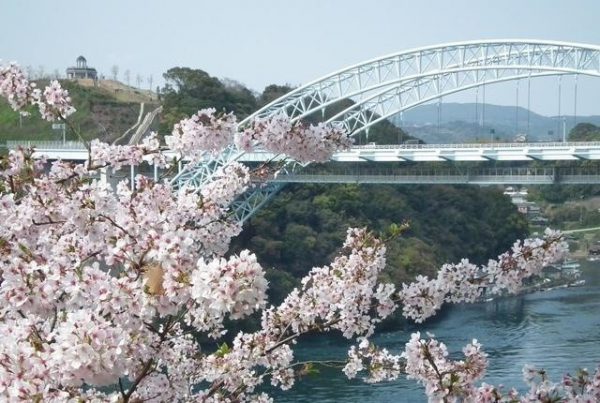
45 145
374 171
515 175
555 144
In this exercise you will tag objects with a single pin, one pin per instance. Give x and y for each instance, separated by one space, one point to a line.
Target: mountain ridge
470 122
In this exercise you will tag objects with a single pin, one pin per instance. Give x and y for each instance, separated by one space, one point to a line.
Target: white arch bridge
386 86
368 92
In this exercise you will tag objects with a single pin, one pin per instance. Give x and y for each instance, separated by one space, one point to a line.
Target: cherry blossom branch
465 282
110 220
49 222
60 116
292 337
146 370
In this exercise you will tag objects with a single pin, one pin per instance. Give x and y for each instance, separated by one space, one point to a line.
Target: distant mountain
466 122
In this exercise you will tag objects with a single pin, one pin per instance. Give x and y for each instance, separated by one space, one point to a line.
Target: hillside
104 111
119 91
585 132
305 225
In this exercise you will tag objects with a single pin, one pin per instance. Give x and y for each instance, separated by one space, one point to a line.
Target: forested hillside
305 224
563 193
585 132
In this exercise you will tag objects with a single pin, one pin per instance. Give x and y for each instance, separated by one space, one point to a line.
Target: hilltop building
81 70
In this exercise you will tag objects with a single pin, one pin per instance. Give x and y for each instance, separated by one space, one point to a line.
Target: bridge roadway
555 151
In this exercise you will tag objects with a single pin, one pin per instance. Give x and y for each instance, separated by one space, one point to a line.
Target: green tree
585 132
272 92
188 90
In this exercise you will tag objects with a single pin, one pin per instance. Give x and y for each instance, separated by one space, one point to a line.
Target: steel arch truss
369 111
391 84
195 175
394 83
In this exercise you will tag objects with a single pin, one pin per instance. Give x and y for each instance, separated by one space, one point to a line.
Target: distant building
82 70
520 138
529 209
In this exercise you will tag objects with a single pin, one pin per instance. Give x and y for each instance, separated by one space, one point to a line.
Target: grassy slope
103 112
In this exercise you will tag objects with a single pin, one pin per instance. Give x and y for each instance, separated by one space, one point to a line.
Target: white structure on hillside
81 70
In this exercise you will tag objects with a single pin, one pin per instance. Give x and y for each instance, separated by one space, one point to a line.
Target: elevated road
391 153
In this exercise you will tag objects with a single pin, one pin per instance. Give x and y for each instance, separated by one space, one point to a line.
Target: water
557 330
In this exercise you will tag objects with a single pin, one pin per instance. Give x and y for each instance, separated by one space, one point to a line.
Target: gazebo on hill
81 70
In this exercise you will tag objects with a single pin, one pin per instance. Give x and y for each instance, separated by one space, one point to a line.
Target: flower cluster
227 183
465 282
329 299
117 156
380 364
203 131
53 103
97 325
15 87
236 287
526 259
342 295
305 143
581 388
444 380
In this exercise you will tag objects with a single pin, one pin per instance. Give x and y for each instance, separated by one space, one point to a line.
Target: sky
262 42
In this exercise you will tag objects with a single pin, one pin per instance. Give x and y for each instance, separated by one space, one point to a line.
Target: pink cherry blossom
15 87
54 102
306 143
105 288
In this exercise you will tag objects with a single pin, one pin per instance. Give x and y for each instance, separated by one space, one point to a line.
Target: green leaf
223 350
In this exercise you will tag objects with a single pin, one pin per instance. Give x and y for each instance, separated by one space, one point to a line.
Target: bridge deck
394 153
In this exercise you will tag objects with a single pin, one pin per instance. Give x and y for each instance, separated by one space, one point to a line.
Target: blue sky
274 41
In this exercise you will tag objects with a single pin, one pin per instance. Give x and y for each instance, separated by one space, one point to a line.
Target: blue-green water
558 330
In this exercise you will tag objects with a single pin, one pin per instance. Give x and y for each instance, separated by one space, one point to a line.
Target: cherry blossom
465 282
307 143
380 364
444 380
202 132
15 87
54 102
107 288
236 287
